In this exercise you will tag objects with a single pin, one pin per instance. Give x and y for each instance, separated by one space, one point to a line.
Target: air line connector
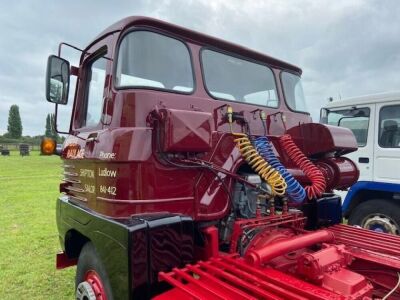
263 115
229 113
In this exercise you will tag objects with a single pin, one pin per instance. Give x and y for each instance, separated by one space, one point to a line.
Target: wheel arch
74 242
364 191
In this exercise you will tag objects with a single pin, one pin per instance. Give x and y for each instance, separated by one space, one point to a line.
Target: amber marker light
48 146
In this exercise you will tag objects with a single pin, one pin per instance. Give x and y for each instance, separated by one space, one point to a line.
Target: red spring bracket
211 242
63 261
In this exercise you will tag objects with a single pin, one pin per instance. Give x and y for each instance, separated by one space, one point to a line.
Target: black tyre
377 215
91 280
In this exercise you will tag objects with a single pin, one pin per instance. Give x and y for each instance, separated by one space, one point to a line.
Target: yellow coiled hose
260 165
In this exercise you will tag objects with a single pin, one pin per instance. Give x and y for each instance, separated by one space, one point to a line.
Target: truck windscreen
231 78
152 60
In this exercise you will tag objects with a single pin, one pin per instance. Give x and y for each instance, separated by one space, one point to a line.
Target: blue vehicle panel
368 185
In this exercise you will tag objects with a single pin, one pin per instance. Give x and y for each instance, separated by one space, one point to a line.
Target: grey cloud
345 48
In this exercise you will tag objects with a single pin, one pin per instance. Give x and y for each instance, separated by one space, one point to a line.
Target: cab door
90 121
363 129
387 147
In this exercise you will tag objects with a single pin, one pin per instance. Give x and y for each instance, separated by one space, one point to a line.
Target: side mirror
57 80
323 116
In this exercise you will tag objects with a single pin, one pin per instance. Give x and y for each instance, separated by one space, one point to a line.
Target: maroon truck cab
183 147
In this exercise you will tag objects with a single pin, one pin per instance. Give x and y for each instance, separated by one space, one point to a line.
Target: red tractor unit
192 170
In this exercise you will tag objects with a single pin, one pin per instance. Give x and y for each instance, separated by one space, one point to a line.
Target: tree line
15 128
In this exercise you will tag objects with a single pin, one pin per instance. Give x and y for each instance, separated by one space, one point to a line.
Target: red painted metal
327 268
315 139
323 258
376 256
336 271
95 282
264 254
186 131
211 247
229 277
366 239
339 172
348 283
314 265
63 261
295 220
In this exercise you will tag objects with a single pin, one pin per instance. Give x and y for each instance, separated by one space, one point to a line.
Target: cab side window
96 79
389 131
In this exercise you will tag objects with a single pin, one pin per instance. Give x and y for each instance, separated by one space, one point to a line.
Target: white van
374 201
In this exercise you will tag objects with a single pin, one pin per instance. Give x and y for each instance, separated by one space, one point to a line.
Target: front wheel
91 279
377 215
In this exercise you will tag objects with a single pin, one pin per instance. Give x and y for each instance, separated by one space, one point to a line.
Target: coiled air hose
260 165
254 159
294 190
316 177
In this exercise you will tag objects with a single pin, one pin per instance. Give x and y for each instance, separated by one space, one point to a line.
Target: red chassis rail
230 277
367 267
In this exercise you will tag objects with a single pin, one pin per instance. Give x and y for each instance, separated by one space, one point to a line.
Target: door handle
363 160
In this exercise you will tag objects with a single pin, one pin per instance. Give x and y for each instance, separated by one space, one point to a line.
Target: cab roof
366 99
196 37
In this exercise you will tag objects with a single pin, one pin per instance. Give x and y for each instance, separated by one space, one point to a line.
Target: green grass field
28 233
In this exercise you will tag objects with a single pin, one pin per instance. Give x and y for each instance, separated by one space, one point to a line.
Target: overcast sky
345 48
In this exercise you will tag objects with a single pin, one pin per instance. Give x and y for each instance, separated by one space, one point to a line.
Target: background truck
192 171
373 202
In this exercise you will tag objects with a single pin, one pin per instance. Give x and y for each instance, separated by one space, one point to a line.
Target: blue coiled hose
295 191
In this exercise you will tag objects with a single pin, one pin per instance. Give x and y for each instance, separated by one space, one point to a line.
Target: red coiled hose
316 177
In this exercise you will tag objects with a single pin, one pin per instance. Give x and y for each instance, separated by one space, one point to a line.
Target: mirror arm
68 45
